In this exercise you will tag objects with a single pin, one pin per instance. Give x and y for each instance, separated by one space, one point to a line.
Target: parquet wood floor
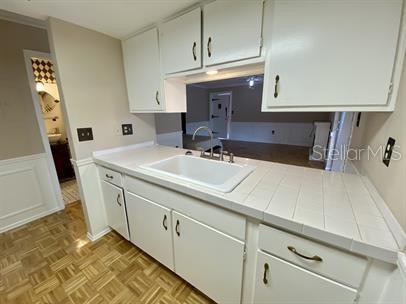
52 261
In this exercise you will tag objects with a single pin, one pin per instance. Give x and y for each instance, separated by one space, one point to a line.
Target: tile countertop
331 207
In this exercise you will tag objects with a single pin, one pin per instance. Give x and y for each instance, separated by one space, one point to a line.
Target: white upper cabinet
143 73
180 43
231 30
327 55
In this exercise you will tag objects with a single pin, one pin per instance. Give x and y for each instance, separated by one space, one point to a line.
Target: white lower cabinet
209 259
115 208
278 281
151 228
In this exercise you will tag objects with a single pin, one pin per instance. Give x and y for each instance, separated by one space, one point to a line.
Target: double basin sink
213 174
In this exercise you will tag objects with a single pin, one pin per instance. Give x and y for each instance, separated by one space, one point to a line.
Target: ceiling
116 18
225 83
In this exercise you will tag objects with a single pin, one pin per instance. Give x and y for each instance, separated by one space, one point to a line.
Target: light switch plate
388 151
85 134
127 129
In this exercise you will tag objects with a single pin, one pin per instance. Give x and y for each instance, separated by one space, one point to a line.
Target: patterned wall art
43 70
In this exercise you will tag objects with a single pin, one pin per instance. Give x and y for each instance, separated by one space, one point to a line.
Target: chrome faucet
211 138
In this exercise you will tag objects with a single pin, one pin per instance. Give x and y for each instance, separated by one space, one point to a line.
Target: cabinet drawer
335 264
111 176
278 281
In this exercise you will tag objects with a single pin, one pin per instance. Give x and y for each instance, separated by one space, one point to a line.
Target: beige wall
168 122
92 84
19 130
374 131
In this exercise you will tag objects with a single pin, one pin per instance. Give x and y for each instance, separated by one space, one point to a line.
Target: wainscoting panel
26 191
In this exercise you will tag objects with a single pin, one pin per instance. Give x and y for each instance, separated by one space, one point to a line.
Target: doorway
220 114
50 116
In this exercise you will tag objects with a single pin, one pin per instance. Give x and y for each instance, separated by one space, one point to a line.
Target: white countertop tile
333 207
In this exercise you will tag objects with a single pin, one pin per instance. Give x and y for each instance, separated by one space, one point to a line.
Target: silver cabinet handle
194 51
164 222
118 199
313 258
109 176
157 97
209 47
266 268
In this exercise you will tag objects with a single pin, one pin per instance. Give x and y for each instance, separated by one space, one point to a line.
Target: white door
180 43
115 208
151 228
231 30
142 72
331 53
208 259
220 114
278 281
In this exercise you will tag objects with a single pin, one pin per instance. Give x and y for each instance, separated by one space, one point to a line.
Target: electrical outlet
388 151
127 129
85 134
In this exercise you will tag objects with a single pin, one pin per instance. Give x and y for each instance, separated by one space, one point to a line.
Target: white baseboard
30 219
98 235
28 191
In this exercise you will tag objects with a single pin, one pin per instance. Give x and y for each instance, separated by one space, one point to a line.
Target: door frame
28 54
229 112
340 134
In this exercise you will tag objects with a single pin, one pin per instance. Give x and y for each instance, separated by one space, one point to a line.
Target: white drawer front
216 217
335 264
278 281
111 176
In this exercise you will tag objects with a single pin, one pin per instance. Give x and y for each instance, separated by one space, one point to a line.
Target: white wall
374 131
298 134
90 76
91 82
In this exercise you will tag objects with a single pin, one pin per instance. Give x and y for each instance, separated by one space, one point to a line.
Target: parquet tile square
52 261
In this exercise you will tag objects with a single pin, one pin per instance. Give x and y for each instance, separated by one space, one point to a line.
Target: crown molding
17 18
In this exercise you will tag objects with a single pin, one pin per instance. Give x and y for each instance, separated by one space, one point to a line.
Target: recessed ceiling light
212 72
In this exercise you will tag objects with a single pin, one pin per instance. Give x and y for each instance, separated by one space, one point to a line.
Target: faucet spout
211 137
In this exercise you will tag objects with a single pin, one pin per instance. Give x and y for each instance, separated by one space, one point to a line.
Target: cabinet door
115 208
232 30
278 281
331 53
180 43
210 260
142 71
151 228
